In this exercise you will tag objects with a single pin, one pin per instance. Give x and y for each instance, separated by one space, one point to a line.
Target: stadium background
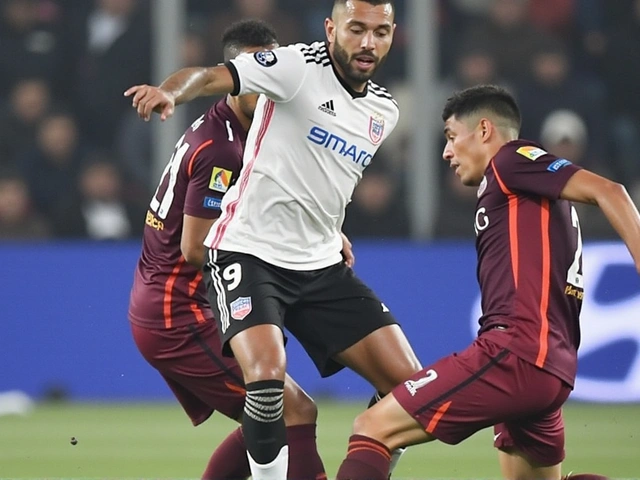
77 169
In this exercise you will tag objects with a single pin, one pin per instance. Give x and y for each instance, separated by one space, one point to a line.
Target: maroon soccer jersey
530 257
167 291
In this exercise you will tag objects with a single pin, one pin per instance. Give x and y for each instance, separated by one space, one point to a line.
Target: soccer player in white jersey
275 253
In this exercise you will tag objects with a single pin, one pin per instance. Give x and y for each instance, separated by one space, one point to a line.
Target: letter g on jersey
482 220
266 58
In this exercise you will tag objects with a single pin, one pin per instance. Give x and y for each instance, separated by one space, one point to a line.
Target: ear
486 129
330 30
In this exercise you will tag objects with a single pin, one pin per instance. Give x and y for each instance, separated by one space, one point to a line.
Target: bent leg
376 432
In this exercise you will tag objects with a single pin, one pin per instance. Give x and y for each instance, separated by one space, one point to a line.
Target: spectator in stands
114 38
29 46
509 35
289 25
51 165
98 208
552 84
28 103
18 219
622 76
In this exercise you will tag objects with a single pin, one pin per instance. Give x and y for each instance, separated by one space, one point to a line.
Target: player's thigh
384 357
191 362
245 292
338 312
463 393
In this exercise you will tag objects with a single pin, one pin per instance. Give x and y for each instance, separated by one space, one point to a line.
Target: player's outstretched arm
614 201
180 87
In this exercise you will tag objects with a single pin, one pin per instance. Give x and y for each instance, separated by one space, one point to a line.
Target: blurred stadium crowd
75 159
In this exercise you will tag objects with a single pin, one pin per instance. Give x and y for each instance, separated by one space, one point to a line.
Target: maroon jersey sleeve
524 167
211 171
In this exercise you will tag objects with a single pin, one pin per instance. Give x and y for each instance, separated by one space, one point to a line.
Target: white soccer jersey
312 137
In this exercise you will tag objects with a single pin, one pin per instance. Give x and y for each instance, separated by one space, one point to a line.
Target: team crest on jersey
482 187
220 179
240 308
376 128
266 58
532 153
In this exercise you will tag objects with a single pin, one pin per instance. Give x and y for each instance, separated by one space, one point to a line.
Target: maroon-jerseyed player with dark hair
521 368
170 316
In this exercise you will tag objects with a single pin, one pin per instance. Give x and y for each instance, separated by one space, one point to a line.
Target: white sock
274 470
395 457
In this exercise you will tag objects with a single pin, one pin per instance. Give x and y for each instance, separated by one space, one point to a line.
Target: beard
351 72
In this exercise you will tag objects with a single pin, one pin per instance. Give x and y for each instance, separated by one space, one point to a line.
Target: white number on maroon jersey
160 206
574 276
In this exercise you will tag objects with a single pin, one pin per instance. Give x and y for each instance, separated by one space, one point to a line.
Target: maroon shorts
487 385
191 362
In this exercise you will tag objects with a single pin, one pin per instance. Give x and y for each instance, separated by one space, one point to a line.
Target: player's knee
365 424
266 369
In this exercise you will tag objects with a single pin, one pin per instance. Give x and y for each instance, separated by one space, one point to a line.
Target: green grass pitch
136 441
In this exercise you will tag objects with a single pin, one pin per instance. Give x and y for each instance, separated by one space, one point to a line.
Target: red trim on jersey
513 225
193 286
168 292
546 283
193 157
436 418
221 227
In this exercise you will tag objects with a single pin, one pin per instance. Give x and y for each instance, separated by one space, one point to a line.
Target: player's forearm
189 83
623 216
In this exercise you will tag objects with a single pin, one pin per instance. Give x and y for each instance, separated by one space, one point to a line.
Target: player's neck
235 108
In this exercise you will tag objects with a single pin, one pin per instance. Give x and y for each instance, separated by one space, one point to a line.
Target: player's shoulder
520 150
314 54
381 94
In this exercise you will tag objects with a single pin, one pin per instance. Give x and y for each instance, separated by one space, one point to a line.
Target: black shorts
327 310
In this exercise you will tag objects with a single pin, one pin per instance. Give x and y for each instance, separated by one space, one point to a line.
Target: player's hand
147 99
347 251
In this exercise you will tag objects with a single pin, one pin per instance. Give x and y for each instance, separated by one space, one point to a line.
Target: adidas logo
327 108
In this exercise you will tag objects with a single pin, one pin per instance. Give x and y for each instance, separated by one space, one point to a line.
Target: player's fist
148 99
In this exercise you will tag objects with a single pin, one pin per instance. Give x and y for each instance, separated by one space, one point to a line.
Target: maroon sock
229 461
304 461
367 459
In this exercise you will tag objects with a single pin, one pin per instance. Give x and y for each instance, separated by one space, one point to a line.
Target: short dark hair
371 2
247 33
475 99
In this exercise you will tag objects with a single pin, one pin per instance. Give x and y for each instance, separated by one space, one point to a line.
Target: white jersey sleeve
278 74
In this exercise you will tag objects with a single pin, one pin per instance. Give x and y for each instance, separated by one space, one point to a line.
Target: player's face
360 36
464 150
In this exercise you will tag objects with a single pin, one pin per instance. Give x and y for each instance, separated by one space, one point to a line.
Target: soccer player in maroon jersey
170 316
521 368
